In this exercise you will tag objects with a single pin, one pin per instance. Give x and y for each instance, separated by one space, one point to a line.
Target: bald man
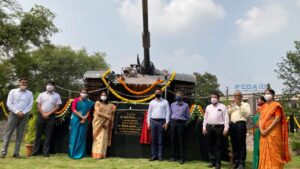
238 112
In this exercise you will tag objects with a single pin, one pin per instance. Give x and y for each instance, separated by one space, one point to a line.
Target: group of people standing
270 135
20 102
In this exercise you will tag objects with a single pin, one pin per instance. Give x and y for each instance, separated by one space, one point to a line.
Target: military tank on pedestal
131 90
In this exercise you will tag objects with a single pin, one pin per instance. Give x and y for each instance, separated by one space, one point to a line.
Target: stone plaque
129 122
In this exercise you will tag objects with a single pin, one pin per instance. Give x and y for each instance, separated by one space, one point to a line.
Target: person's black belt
158 119
178 120
237 122
215 125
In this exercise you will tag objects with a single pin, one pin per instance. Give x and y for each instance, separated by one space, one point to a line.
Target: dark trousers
215 143
157 135
177 135
238 133
44 126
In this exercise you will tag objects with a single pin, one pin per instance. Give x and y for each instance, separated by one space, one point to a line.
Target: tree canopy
206 84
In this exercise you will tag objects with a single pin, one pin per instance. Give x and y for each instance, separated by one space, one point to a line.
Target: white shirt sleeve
29 107
205 118
10 102
58 100
226 119
168 113
149 112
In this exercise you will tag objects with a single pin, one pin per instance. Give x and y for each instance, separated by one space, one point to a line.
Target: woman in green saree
256 133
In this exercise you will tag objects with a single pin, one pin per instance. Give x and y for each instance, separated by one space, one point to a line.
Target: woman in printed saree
81 107
273 151
256 134
102 126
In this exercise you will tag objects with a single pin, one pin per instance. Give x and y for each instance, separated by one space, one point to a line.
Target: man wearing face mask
158 121
215 127
238 111
19 103
48 103
180 113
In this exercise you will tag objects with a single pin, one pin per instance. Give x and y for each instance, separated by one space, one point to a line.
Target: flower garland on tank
5 113
196 112
64 111
140 92
134 101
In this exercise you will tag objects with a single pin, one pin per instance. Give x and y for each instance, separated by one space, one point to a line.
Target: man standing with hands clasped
215 127
180 114
48 104
239 111
158 121
19 103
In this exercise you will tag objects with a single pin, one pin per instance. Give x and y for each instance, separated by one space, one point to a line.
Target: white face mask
214 100
22 87
83 95
268 97
49 88
103 98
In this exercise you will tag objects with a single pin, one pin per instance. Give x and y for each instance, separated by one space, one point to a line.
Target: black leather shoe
16 156
181 161
2 156
211 165
34 154
218 166
153 159
241 166
46 155
172 159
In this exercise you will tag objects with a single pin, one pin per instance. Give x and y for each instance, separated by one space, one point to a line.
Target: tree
205 84
63 65
289 71
21 31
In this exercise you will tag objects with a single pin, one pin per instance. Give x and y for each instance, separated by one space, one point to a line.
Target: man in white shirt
19 103
158 121
48 103
239 111
215 127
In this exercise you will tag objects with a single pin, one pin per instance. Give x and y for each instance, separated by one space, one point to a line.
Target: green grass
62 161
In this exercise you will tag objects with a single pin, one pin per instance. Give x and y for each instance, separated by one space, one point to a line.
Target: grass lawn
62 161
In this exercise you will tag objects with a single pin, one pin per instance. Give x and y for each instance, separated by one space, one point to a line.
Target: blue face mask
179 98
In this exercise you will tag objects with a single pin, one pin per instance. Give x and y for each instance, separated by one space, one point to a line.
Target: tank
140 76
131 90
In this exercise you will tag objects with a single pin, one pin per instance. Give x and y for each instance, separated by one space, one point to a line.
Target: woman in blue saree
81 107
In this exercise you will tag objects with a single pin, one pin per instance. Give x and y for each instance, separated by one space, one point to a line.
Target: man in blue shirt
158 121
179 115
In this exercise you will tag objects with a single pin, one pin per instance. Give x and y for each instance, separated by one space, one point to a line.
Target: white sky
239 41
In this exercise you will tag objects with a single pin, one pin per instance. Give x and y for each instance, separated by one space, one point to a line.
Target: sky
240 42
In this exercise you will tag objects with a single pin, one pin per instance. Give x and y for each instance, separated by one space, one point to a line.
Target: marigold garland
196 107
63 111
134 101
140 92
296 121
3 109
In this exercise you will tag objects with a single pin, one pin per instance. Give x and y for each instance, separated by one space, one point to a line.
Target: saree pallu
274 151
77 142
256 136
145 135
102 135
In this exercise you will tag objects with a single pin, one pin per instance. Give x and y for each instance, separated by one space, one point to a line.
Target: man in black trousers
215 127
48 104
238 111
179 116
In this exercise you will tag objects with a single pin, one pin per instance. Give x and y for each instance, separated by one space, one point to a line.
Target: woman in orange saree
274 151
102 126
